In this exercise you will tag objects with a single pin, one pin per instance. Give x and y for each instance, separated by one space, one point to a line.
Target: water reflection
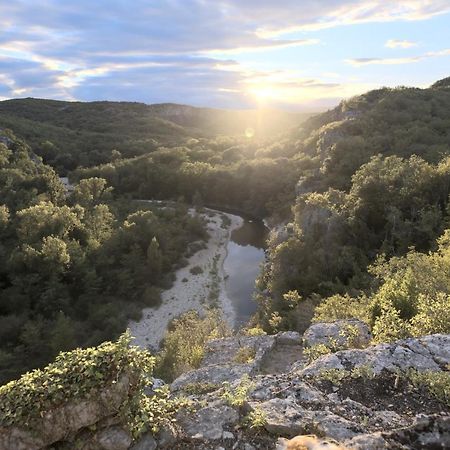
245 253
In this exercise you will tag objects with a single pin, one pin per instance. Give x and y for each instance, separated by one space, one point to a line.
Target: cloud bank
175 50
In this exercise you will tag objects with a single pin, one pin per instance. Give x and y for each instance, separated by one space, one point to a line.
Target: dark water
245 253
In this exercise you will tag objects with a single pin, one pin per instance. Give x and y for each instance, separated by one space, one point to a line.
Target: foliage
200 388
339 307
72 134
153 412
237 395
245 355
254 331
334 376
437 383
75 269
255 419
82 374
316 351
175 356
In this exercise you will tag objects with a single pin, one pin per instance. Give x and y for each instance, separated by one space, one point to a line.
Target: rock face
222 359
370 410
66 421
425 353
343 333
355 398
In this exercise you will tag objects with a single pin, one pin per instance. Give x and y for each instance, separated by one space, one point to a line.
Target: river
245 253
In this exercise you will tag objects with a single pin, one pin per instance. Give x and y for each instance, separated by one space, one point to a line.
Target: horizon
227 55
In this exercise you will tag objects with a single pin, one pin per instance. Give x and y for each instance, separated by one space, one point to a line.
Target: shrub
80 374
245 355
176 357
339 307
316 351
200 388
196 270
334 376
255 419
437 383
238 395
255 331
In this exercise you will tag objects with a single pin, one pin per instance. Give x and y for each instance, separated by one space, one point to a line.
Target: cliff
253 392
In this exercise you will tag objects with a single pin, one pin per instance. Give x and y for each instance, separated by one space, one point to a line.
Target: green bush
238 395
437 383
339 307
245 355
196 270
176 356
80 374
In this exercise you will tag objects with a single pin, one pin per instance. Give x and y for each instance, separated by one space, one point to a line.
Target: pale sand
191 294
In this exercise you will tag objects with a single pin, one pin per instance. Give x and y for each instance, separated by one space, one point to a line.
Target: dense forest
359 194
75 268
68 135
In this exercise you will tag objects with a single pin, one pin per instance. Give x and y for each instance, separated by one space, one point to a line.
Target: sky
302 55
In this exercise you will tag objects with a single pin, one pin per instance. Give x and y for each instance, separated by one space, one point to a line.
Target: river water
242 265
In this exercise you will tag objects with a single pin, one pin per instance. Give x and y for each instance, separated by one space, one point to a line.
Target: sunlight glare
249 132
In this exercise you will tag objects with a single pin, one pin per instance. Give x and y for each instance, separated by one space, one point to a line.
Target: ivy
78 375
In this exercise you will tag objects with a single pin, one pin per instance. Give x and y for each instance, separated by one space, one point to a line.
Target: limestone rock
66 420
208 423
425 353
146 442
114 438
339 332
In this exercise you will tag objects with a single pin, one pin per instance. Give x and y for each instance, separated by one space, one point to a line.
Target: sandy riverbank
193 293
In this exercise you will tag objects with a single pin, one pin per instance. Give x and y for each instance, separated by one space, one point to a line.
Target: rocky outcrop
367 409
222 361
63 423
342 333
355 398
425 353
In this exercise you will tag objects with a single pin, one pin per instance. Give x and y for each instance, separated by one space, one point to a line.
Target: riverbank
193 291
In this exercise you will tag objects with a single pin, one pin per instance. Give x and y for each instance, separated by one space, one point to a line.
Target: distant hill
69 134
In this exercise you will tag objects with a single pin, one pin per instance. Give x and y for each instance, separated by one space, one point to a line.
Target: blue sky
292 54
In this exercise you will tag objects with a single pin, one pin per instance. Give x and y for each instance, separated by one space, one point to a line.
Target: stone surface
66 420
357 412
114 438
209 422
426 353
338 332
166 437
288 337
146 442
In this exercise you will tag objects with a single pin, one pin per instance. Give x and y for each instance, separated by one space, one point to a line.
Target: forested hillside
74 269
377 188
71 134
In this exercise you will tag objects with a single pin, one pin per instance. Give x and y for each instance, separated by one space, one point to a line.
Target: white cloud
396 43
163 50
357 62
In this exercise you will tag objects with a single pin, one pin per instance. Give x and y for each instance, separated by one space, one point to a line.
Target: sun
262 93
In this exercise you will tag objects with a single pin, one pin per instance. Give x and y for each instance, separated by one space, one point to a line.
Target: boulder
57 424
351 333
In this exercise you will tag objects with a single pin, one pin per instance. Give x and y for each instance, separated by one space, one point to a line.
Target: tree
154 260
91 191
62 336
